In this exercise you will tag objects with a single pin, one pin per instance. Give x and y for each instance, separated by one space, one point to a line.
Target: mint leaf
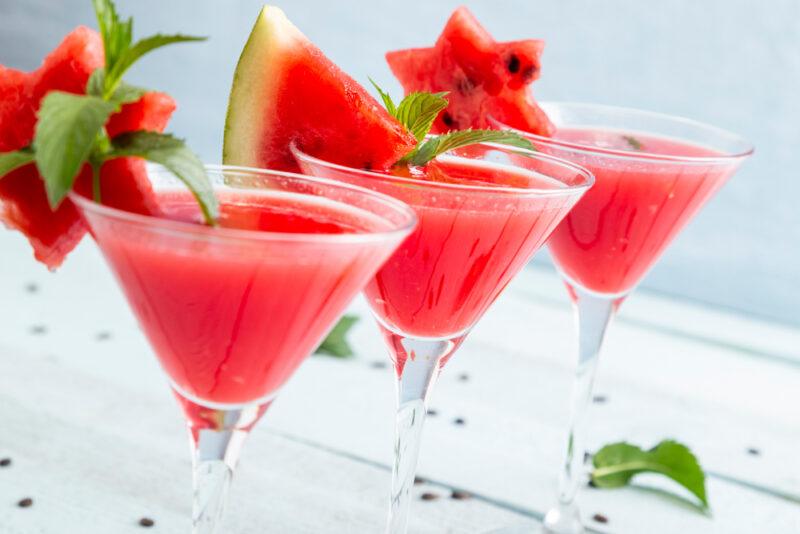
10 161
336 342
173 154
429 149
123 94
133 53
127 94
65 136
417 112
387 100
616 464
117 35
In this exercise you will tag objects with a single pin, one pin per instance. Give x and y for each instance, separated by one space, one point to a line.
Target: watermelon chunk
285 90
23 202
483 77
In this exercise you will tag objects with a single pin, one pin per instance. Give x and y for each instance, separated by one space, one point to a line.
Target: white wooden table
97 441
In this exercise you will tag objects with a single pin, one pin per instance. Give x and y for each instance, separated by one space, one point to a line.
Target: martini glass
653 174
482 216
231 311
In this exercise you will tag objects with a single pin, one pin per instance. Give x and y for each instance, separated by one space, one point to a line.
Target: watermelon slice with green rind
286 91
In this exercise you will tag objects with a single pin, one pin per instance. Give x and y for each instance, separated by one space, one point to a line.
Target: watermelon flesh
286 91
124 184
483 77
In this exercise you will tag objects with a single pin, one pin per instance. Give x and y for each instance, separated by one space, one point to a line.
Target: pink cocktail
231 311
483 211
653 174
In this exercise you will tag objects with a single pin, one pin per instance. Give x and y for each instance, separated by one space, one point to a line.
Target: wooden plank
717 399
96 459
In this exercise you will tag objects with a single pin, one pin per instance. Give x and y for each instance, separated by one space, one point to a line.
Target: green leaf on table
417 112
173 154
65 136
10 161
434 146
616 464
336 342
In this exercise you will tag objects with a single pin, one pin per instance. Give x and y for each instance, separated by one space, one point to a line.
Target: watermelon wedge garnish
286 91
483 77
23 202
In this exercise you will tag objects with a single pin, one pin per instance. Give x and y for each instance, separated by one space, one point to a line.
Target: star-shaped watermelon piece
484 78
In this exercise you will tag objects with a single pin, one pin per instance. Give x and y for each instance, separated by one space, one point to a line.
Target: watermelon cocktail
483 211
231 311
653 174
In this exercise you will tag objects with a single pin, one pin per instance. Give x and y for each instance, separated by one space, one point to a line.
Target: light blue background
732 63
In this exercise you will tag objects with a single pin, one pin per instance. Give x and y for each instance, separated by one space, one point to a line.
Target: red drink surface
619 228
230 320
466 248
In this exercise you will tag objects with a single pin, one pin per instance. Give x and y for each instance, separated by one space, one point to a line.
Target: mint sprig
120 50
173 154
11 161
439 144
71 128
418 110
65 137
335 344
616 464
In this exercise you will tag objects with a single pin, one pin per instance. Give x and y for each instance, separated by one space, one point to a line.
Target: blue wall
733 63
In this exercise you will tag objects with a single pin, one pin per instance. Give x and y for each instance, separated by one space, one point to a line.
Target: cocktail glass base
216 436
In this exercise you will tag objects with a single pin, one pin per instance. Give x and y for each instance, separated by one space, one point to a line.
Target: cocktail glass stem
216 438
593 313
417 365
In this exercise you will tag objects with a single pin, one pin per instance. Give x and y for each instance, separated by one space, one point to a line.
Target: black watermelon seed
103 336
31 288
146 522
432 412
459 421
600 518
460 495
378 364
419 480
463 377
528 73
5 462
591 484
599 399
27 502
38 329
513 64
448 120
753 451
428 496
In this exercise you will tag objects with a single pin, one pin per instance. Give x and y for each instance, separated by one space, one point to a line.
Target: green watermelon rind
252 96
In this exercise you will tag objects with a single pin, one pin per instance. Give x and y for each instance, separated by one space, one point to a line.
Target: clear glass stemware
653 173
231 311
480 220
